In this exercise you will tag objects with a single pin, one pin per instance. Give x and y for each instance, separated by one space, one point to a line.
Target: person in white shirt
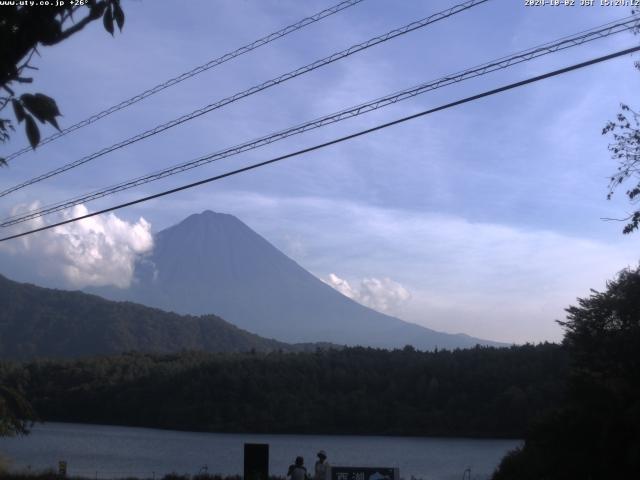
322 467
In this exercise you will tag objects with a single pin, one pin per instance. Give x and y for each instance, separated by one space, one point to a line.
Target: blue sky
486 217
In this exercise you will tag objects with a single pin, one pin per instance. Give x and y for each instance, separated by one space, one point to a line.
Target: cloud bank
97 251
383 295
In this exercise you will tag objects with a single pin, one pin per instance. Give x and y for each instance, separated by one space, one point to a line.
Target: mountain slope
41 322
214 263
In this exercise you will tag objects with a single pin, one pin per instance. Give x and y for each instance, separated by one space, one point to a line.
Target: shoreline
282 434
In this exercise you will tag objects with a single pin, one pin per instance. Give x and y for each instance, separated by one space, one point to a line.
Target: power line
335 141
195 71
602 31
270 83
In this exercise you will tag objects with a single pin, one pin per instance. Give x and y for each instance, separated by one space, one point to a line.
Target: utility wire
193 72
602 31
263 86
335 141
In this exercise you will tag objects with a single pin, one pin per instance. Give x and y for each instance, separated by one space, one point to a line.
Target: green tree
16 413
596 432
23 29
625 150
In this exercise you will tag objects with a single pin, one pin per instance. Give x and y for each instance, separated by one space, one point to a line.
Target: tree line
480 392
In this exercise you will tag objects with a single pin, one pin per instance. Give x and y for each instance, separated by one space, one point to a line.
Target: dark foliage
596 433
23 29
485 391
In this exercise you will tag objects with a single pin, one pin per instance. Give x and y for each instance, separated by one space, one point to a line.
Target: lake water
99 451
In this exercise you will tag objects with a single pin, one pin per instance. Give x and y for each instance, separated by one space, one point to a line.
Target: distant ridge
41 322
214 263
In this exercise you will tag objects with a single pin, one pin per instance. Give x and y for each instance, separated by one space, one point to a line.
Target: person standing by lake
297 471
322 467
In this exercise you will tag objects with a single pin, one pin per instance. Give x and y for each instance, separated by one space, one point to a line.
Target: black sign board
364 473
256 461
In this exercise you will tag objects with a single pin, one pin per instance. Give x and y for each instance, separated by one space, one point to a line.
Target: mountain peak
207 226
208 216
214 263
212 214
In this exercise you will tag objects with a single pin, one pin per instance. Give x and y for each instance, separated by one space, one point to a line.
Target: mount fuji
212 263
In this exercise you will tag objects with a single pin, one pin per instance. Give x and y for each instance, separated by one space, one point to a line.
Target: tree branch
95 13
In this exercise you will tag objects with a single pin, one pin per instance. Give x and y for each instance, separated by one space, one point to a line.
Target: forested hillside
41 322
483 391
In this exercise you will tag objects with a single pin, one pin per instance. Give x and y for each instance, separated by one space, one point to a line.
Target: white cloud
383 295
97 251
341 285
